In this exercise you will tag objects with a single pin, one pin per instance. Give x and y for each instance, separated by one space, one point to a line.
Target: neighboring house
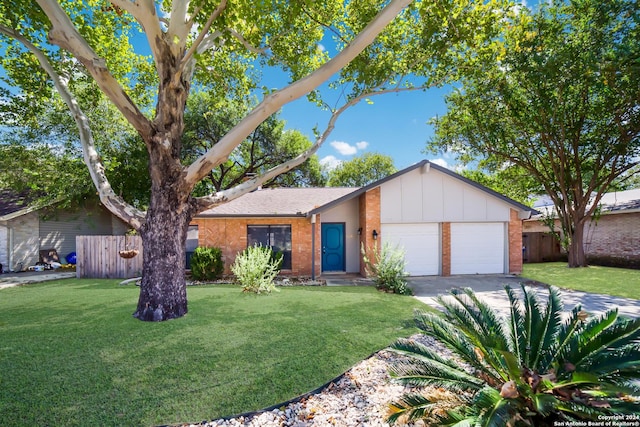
611 238
25 229
446 224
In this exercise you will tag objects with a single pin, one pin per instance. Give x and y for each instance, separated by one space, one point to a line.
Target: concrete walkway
16 279
490 288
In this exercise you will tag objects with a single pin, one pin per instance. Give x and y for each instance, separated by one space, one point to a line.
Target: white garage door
477 248
421 243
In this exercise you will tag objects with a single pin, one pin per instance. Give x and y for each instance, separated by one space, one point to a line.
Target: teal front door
333 247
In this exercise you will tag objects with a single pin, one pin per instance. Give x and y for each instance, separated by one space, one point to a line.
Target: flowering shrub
387 269
256 268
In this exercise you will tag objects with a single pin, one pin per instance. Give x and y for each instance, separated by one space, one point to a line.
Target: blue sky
394 125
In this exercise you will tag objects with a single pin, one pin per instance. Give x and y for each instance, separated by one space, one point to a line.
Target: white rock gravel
359 398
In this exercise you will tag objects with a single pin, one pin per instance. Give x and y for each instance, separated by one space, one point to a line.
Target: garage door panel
421 243
477 248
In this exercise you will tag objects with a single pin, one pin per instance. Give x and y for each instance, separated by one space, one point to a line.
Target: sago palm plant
530 368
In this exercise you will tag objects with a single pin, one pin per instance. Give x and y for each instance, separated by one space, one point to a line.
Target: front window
277 237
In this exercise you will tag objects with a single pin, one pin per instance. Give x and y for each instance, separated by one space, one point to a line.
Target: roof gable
291 202
427 165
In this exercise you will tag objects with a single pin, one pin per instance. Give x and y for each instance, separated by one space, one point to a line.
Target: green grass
72 354
601 280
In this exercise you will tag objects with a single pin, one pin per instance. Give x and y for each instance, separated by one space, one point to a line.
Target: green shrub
387 269
256 268
531 368
206 263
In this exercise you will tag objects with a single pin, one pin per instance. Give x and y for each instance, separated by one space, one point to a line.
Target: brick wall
446 249
612 240
515 243
614 236
230 234
369 205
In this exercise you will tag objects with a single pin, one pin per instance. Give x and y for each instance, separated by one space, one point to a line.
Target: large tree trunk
576 253
163 293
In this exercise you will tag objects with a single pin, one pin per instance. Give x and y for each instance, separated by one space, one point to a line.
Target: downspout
313 247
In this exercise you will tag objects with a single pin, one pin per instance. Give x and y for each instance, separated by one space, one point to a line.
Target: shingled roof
12 202
286 202
614 202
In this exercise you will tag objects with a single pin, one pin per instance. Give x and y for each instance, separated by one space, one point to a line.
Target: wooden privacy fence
99 257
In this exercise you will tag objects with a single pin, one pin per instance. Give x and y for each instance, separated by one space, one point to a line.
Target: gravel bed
358 398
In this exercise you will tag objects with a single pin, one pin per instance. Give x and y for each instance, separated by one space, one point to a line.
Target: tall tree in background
266 147
215 46
514 182
560 100
361 170
50 157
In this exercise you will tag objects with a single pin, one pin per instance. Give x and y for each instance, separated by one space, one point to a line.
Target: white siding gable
432 196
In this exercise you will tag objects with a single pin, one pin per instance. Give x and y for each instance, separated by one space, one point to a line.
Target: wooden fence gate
99 257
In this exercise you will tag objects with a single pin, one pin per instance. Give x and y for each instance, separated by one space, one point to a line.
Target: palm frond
461 315
578 411
616 363
625 406
608 339
532 320
495 333
420 351
412 406
565 336
545 334
455 340
544 403
516 324
480 328
495 411
431 373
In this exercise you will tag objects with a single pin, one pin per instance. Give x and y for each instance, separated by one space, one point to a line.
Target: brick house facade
611 238
423 209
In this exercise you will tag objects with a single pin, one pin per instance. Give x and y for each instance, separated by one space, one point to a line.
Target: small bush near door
206 263
256 269
388 269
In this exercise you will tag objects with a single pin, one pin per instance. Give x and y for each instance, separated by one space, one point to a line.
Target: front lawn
620 282
72 354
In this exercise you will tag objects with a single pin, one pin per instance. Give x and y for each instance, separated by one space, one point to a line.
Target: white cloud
329 162
362 145
440 162
321 47
344 148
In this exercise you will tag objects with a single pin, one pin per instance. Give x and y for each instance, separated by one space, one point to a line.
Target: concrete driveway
490 288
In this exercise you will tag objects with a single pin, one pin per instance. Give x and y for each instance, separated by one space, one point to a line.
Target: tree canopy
361 170
559 99
269 145
82 51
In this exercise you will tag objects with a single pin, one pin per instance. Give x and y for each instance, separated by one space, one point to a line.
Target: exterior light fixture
359 231
375 235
